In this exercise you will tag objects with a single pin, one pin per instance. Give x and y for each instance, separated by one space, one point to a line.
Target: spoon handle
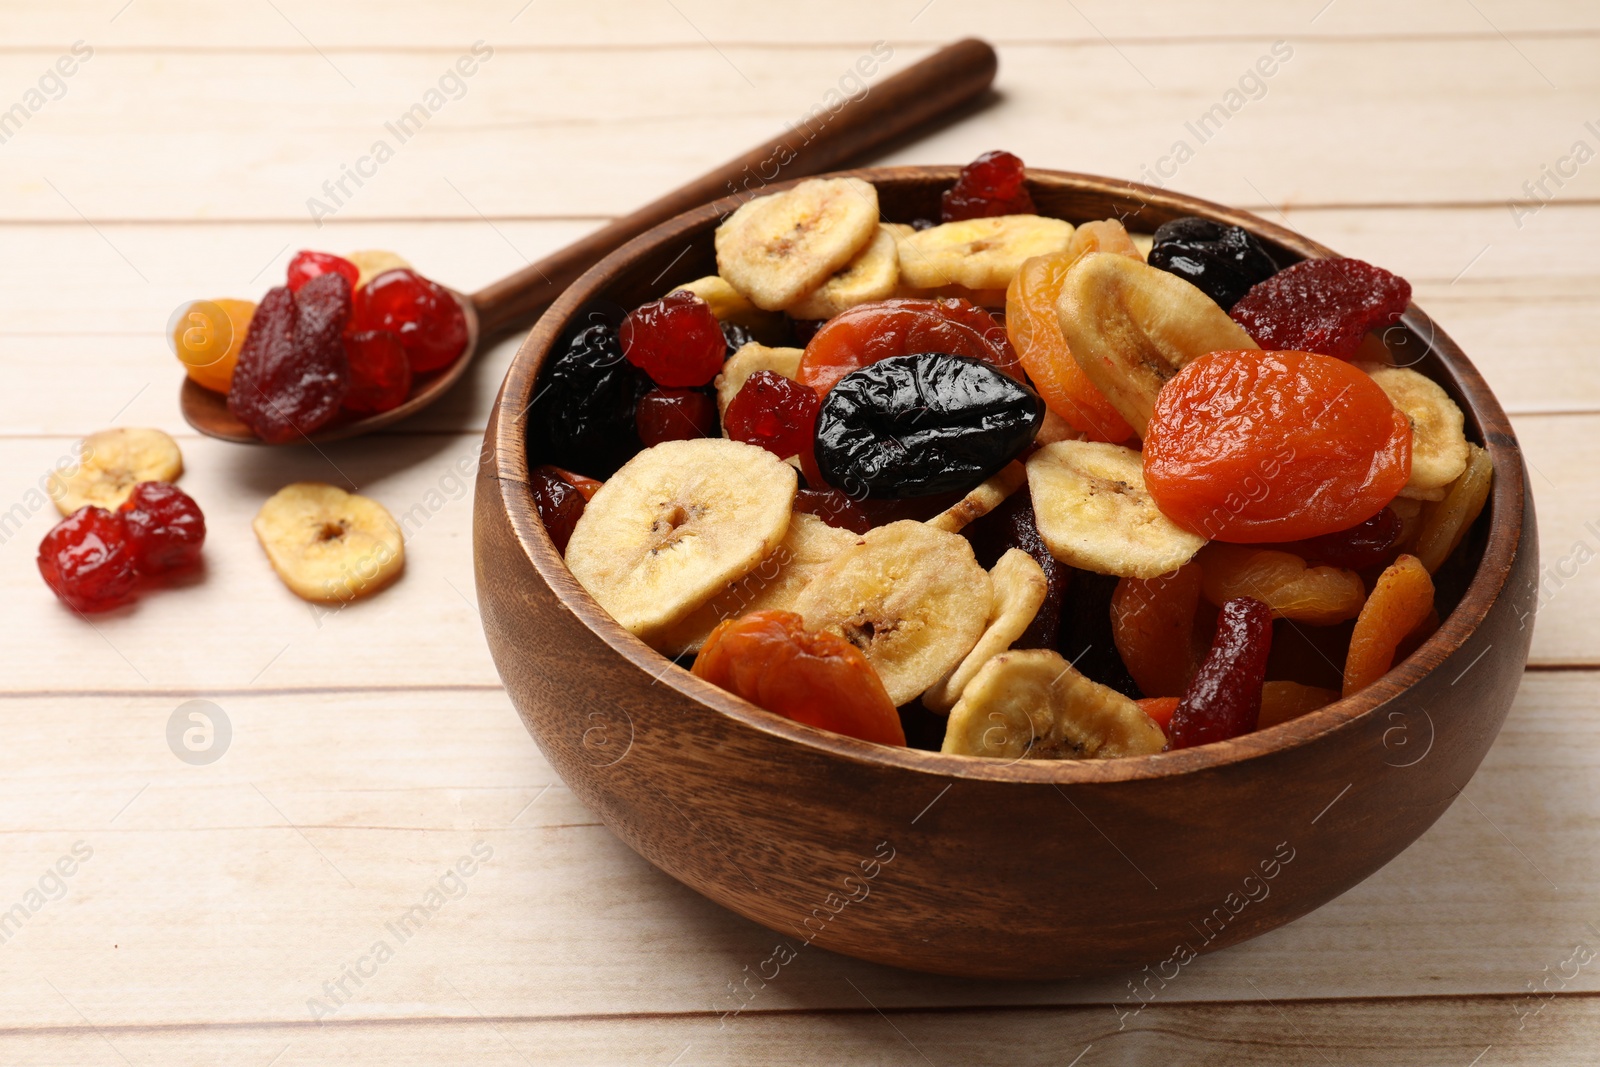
822 141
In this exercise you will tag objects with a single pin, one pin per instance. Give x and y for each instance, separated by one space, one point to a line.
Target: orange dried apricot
1035 332
903 326
1445 524
1282 701
1321 596
1152 625
1401 601
1250 446
1159 709
770 659
207 336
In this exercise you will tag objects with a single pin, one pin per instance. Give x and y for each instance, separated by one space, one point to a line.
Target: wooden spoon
897 107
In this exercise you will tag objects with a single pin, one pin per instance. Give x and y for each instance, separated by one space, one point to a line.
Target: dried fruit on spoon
1007 470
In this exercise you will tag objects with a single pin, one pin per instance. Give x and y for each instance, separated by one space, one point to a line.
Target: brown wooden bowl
964 866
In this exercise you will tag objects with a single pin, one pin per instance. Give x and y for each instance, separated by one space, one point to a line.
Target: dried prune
676 340
87 560
1322 305
164 526
1222 261
833 508
922 424
582 416
734 337
992 184
292 373
1012 525
560 503
675 415
775 412
869 332
422 313
1224 700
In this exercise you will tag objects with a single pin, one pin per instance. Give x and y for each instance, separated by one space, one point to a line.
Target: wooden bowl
961 866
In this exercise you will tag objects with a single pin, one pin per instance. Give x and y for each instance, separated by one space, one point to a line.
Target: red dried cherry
1224 700
560 503
675 415
1322 305
87 561
422 313
992 184
676 340
165 528
292 373
307 265
835 508
775 412
380 373
1273 446
904 326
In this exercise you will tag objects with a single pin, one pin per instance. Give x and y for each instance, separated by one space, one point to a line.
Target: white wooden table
222 907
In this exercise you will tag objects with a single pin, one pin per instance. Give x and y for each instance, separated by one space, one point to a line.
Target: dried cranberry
87 561
380 373
992 184
675 415
430 324
165 527
1224 700
834 508
1357 548
1012 525
582 416
292 374
676 340
775 412
1322 305
307 265
560 504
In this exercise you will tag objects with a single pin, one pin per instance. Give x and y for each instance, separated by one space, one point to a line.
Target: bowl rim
509 464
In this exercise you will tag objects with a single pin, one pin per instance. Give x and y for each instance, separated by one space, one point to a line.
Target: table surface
213 912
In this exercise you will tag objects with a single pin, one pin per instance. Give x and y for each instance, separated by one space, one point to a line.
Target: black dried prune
1222 261
736 337
582 416
1012 525
921 424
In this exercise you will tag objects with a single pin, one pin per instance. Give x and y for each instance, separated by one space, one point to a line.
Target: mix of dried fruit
345 336
1007 470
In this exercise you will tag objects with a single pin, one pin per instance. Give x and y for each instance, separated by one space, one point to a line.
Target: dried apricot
868 333
1255 446
1400 602
1159 709
207 336
1282 701
1444 524
1035 331
1283 581
770 659
1152 623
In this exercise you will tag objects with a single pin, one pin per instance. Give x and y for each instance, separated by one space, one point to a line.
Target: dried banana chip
328 545
982 499
110 464
776 249
872 275
1034 705
1019 590
978 253
1438 436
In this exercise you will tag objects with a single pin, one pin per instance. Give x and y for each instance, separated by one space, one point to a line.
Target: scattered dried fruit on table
770 659
423 313
1282 701
1222 261
292 373
1035 705
871 275
777 248
1224 700
1019 589
922 424
776 413
1322 305
1445 523
110 463
559 501
1283 581
327 545
1438 437
583 415
207 336
912 598
676 340
993 184
901 327
982 253
1152 623
380 372
307 265
1401 601
165 528
676 525
87 560
1132 327
1095 513
1256 446
1035 331
675 415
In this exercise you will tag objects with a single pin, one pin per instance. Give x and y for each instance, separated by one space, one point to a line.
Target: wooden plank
247 151
230 892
